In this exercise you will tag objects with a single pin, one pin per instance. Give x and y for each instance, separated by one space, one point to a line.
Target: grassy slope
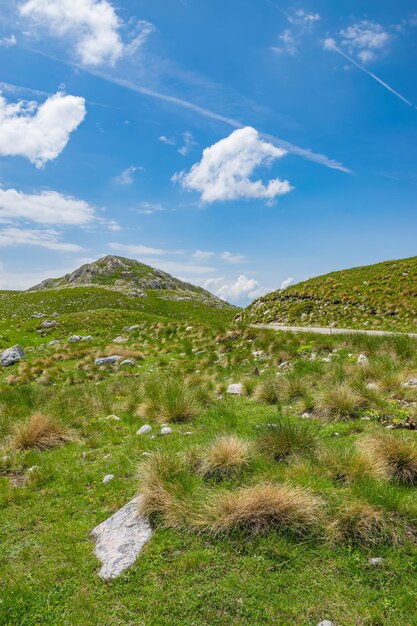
381 296
48 573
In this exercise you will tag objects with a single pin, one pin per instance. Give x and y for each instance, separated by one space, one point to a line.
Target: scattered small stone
108 478
143 430
32 469
188 329
166 430
362 360
128 329
87 338
325 622
284 365
372 386
259 354
376 560
306 415
127 362
119 340
11 356
74 338
114 418
410 383
49 324
235 389
54 342
107 456
188 432
108 360
326 359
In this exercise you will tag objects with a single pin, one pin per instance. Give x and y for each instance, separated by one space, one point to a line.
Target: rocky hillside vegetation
381 296
132 278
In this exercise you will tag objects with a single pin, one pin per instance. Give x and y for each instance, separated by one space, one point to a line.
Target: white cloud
364 39
189 143
92 26
176 267
7 42
169 141
39 132
49 239
240 290
226 167
290 44
46 207
127 176
302 18
202 254
135 249
148 208
233 258
24 280
287 282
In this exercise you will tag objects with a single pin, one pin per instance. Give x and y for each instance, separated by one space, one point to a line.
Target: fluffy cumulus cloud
39 132
365 39
237 291
93 27
46 207
43 238
225 170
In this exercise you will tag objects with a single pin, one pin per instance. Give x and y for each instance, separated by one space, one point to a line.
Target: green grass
381 297
48 572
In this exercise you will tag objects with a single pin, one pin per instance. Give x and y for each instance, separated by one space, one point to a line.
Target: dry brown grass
395 454
227 455
40 432
262 508
340 401
360 522
345 465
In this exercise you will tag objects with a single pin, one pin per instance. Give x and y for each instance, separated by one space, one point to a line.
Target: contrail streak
371 74
306 153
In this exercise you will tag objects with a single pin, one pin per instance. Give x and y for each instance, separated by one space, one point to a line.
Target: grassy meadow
267 507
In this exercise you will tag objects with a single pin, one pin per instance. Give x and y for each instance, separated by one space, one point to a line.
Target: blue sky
239 145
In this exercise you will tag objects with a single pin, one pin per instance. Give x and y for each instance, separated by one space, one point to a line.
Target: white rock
54 342
143 430
410 383
376 560
119 340
120 539
74 338
114 418
325 622
108 360
34 468
127 362
372 386
11 356
235 389
166 430
87 338
108 478
49 324
362 360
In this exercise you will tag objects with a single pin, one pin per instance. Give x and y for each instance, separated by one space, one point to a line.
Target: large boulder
120 539
12 355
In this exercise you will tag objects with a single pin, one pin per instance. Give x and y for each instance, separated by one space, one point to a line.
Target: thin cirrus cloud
226 167
136 250
233 258
92 26
127 177
39 132
365 39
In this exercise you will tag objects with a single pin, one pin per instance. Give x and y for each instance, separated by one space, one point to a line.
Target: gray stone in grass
376 560
120 539
128 362
119 340
11 356
74 338
87 338
235 389
325 622
108 478
166 430
410 383
108 360
362 360
49 324
143 430
54 342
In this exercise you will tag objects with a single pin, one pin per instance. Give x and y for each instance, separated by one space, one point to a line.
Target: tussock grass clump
365 524
267 391
263 508
226 456
166 485
287 437
346 465
396 455
169 400
340 401
40 432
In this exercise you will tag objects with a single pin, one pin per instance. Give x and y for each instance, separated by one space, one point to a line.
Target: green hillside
381 296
